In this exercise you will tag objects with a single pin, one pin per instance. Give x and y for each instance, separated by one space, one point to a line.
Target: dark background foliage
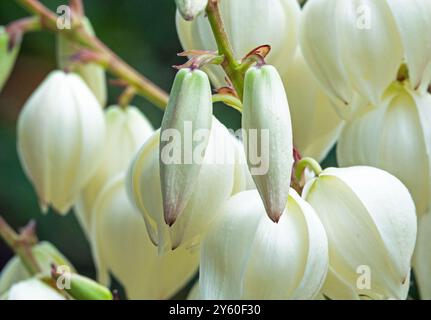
140 31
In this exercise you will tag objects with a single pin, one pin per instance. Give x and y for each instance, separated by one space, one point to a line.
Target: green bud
190 9
45 254
188 113
7 56
93 74
82 288
268 130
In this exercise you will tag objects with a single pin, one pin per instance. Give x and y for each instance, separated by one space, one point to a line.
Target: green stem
230 65
307 163
114 65
21 244
24 25
229 100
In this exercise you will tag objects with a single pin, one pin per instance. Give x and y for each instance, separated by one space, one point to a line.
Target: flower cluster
257 216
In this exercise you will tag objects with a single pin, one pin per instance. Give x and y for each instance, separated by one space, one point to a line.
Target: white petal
413 19
370 46
124 248
33 289
370 220
126 132
391 136
61 152
249 24
214 186
316 125
319 39
248 256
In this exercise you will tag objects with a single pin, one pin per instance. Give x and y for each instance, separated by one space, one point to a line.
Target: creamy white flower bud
213 186
267 126
396 137
249 24
370 220
358 46
187 120
190 9
247 256
123 246
93 74
61 131
33 289
315 123
45 255
126 132
7 56
422 257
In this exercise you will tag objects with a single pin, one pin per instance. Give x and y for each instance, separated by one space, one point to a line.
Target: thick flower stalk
316 125
248 24
187 119
61 132
248 256
93 74
7 56
394 136
356 47
369 217
127 131
122 246
214 186
268 132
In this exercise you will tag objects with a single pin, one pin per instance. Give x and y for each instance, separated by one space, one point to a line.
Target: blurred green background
143 33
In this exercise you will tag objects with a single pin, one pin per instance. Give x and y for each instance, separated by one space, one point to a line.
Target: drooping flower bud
93 74
394 136
187 121
213 186
7 56
267 126
247 256
422 257
33 289
369 217
190 9
249 24
45 255
126 132
61 131
123 246
357 47
315 122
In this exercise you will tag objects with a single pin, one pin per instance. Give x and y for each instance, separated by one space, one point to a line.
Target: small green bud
80 287
268 128
188 113
7 56
190 9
